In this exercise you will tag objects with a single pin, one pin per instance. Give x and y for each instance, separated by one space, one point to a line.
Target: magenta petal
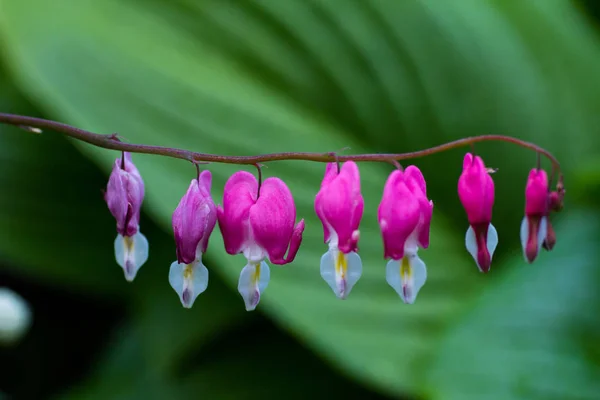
536 193
272 220
116 197
193 221
294 245
414 175
319 211
205 186
476 190
339 205
124 195
331 171
398 215
416 183
239 195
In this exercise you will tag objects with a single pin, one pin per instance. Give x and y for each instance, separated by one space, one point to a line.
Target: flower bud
193 222
124 195
534 225
476 193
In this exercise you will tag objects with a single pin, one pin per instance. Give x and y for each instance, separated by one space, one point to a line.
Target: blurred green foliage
246 77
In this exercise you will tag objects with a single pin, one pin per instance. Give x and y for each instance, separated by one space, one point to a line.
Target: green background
242 77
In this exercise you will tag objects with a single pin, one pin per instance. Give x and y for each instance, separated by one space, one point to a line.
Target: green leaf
245 363
242 77
539 325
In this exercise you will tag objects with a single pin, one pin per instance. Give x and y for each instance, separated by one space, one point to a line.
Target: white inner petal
254 253
407 276
188 281
131 252
341 271
524 235
492 240
471 244
253 281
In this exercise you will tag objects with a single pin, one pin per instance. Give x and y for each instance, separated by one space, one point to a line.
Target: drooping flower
554 205
476 193
534 227
124 195
339 205
259 226
404 216
193 222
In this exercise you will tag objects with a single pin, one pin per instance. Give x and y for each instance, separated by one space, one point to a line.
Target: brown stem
111 142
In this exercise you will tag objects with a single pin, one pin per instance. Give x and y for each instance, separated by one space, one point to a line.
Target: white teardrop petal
131 252
492 240
253 281
392 275
524 235
188 281
407 276
341 271
354 271
471 244
328 270
419 271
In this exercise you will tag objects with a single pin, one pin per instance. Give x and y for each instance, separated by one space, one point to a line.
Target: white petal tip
131 252
253 281
406 277
341 271
188 281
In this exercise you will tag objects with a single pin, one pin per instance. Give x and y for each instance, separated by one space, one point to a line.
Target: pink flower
534 227
259 227
405 217
124 195
339 205
476 193
193 221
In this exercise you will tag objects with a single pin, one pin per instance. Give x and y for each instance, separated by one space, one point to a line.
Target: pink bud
476 193
404 213
194 219
416 183
259 226
339 205
536 193
476 190
534 227
124 195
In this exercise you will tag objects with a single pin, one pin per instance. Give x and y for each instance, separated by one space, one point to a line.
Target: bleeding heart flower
193 221
534 227
259 226
476 193
405 217
124 195
339 205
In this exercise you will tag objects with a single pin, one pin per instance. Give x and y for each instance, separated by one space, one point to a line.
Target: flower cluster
258 219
